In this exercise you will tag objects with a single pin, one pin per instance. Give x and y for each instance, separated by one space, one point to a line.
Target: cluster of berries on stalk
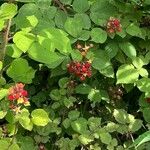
115 93
84 49
113 25
17 96
80 69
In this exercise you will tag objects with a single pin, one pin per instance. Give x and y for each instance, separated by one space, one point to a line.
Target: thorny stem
5 38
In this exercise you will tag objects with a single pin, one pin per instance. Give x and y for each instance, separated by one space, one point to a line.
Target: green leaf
2 114
114 142
26 1
80 125
73 115
33 20
63 82
66 123
52 39
85 20
94 95
120 115
80 5
68 102
145 137
13 51
55 95
24 119
51 127
3 93
1 65
83 89
144 84
95 147
85 139
101 11
10 118
26 142
127 74
122 129
135 125
130 118
138 62
40 117
142 101
67 2
23 40
146 114
105 138
11 129
2 81
4 144
143 72
20 71
76 55
85 35
73 26
147 2
112 49
43 4
49 12
22 21
14 147
134 30
111 127
128 49
98 35
94 123
57 72
2 23
8 10
60 18
108 71
101 61
40 54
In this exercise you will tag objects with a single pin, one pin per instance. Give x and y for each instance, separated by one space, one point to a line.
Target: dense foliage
74 75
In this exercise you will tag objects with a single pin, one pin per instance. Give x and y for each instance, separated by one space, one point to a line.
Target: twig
132 139
60 5
4 41
10 38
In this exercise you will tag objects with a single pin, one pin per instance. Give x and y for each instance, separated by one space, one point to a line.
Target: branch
5 40
60 5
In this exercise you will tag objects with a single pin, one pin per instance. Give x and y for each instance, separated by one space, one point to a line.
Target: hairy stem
60 5
5 38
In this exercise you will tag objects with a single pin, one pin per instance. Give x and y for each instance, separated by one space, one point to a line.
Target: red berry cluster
113 25
17 95
80 69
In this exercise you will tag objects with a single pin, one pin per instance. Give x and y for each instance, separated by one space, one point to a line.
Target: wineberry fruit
82 70
17 95
113 25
